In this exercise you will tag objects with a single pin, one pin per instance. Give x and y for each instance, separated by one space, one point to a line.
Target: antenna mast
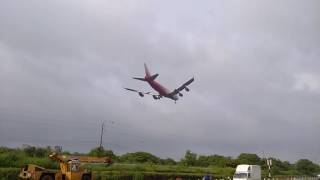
102 128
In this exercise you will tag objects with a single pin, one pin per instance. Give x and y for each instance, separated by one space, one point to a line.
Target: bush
307 167
10 159
33 151
101 152
9 173
139 157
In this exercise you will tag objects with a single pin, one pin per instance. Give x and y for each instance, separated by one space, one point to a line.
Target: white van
247 172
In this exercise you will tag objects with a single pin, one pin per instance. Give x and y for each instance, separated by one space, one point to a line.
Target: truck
71 168
247 172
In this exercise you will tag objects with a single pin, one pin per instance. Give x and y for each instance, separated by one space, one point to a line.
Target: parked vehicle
247 172
70 168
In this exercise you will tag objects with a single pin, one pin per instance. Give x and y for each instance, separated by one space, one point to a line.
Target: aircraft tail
153 77
146 70
148 76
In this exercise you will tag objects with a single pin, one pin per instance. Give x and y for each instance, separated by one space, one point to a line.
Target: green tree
168 161
139 157
278 167
247 158
203 161
29 150
307 167
190 159
101 152
10 159
216 160
6 149
33 151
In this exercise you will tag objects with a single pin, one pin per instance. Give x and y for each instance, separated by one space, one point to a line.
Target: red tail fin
146 70
148 76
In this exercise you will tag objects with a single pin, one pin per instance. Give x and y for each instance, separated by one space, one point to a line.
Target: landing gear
156 97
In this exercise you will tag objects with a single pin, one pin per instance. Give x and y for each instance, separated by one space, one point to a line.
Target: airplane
163 92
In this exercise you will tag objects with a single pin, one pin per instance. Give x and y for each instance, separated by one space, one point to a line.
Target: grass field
163 170
140 171
143 172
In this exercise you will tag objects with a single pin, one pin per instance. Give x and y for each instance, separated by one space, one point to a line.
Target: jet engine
187 89
141 94
180 94
155 97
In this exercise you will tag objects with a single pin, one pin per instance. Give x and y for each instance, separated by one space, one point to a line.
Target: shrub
9 173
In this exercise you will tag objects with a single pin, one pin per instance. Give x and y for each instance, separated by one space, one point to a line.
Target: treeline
16 157
301 167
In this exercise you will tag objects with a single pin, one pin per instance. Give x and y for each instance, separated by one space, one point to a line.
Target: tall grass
17 160
138 170
9 173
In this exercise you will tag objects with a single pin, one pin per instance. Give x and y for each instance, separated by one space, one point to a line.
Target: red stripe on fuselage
158 87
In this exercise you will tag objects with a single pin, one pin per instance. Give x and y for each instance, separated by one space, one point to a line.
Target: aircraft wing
183 86
144 93
140 92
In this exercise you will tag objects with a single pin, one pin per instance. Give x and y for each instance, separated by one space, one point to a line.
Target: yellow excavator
70 168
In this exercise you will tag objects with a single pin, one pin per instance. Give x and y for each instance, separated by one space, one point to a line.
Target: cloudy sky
256 68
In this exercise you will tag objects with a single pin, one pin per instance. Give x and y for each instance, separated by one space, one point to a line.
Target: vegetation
139 164
8 173
101 152
307 167
15 158
169 171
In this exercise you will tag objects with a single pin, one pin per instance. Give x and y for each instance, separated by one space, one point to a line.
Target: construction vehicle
71 168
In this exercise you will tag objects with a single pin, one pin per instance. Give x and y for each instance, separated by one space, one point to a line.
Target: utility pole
269 163
102 128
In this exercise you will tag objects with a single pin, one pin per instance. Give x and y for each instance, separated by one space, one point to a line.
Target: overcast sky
256 67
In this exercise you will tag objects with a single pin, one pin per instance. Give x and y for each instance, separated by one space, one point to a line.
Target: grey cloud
64 65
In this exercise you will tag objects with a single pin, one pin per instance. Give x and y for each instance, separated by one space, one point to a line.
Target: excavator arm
59 158
81 159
